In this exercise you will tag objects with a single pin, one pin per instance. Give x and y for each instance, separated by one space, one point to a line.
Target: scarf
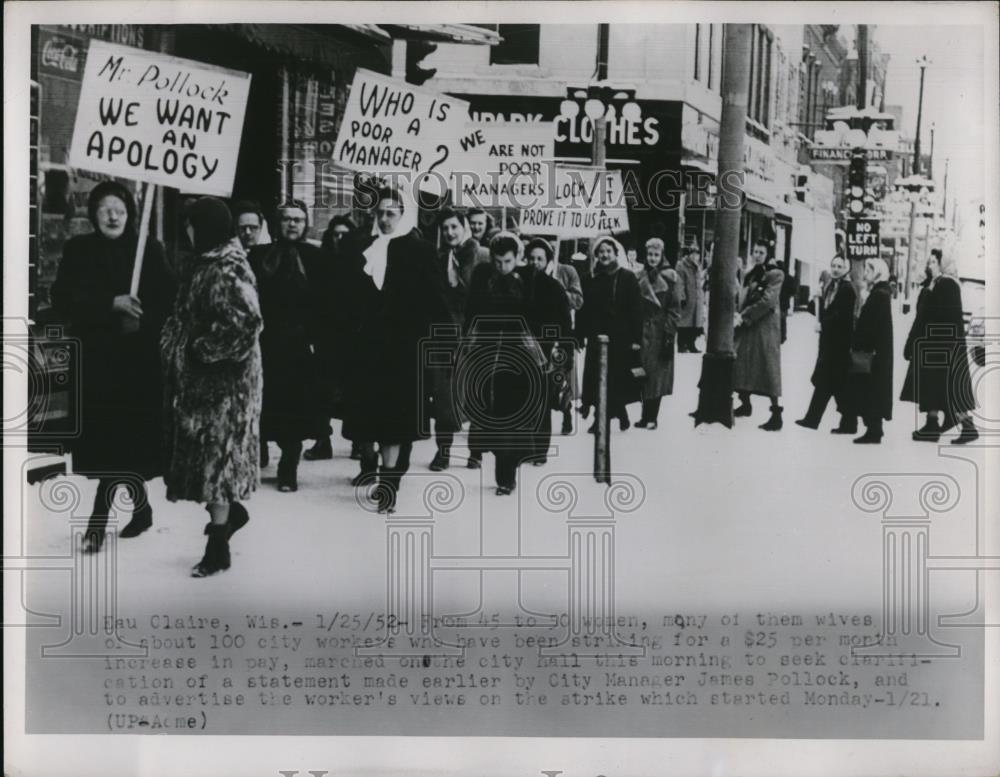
377 254
595 267
282 254
454 264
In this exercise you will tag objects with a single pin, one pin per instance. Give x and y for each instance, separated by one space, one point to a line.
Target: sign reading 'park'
160 119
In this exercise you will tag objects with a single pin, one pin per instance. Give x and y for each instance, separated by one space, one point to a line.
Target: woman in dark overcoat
395 293
757 369
212 382
293 281
610 307
119 441
836 320
872 389
692 294
939 383
503 365
660 293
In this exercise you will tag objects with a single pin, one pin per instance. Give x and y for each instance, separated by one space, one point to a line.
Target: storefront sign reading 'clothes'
391 126
155 118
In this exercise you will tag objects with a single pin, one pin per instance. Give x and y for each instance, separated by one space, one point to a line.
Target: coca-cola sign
61 55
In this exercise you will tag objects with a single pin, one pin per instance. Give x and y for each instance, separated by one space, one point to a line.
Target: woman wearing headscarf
212 377
293 283
395 294
660 301
610 307
119 443
541 254
506 368
871 354
942 384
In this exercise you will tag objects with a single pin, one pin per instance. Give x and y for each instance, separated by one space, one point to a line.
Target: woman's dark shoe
323 449
651 426
868 438
288 482
968 433
642 423
355 451
623 423
93 540
475 461
505 490
369 467
441 461
809 424
593 428
567 424
216 557
538 461
141 520
387 489
929 432
774 423
744 410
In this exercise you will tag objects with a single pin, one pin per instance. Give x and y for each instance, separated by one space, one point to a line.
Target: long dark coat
213 381
836 320
610 307
119 374
872 393
692 293
330 342
294 300
513 322
388 384
446 407
758 341
660 293
937 377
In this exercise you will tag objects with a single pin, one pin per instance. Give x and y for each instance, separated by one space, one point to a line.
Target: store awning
314 43
444 33
759 207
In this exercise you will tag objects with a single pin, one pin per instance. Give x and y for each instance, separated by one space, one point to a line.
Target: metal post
922 62
602 438
909 257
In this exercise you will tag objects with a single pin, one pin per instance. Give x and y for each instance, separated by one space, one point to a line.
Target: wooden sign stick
149 192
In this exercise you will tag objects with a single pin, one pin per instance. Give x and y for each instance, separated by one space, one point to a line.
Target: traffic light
856 183
416 51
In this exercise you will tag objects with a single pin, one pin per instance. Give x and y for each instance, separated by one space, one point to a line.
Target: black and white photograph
506 388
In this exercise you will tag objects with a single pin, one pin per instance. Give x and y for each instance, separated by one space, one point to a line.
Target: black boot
774 423
238 517
288 467
369 468
216 551
475 460
848 425
142 519
323 449
930 431
387 489
968 433
93 538
745 409
567 424
442 459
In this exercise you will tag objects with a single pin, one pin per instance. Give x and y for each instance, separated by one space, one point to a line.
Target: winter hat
212 223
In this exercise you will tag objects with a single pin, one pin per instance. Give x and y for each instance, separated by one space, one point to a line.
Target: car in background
974 313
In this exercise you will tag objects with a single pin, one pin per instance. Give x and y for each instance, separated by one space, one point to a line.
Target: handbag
861 362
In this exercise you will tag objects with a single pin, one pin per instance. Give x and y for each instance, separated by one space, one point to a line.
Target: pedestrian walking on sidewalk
937 377
660 301
213 382
120 437
757 369
692 294
871 354
835 316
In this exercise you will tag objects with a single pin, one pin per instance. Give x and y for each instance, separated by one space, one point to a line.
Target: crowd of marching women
244 340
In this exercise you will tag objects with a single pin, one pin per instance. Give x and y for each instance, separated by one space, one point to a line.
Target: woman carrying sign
394 291
119 390
212 375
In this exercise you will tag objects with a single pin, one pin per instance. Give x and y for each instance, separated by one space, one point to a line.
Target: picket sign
148 195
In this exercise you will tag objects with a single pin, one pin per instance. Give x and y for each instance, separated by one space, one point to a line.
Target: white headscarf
880 270
520 246
377 254
619 252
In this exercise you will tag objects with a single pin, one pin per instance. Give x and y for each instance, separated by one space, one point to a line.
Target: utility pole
944 196
598 151
715 397
858 267
930 161
862 101
922 63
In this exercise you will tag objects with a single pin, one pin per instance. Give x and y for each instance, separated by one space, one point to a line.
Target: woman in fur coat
212 387
660 293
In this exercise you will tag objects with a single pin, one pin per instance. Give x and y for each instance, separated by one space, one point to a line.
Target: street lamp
922 63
